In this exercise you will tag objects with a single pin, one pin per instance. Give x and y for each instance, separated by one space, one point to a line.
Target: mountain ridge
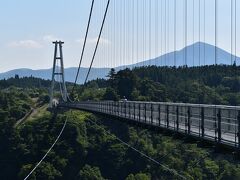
192 55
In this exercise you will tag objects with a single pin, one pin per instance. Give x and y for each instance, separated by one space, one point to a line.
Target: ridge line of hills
189 55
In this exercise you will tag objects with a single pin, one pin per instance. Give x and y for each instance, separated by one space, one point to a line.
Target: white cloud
50 38
94 41
25 44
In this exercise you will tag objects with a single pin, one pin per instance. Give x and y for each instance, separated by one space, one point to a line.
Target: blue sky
28 27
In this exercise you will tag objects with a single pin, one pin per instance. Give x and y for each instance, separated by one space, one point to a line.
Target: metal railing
217 123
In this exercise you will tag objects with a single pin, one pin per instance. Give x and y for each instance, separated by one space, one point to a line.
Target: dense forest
218 84
89 149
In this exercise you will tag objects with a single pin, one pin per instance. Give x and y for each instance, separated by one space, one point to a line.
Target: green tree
110 94
126 82
139 176
211 169
44 171
112 78
90 173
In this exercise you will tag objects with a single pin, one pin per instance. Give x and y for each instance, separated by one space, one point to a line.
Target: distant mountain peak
189 55
197 54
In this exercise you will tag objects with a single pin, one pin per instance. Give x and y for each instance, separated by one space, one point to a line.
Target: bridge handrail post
129 106
145 112
113 107
238 133
119 109
177 114
139 112
167 109
202 121
159 114
103 106
110 107
189 119
106 107
215 124
151 113
219 116
121 105
125 105
122 109
129 110
134 105
114 111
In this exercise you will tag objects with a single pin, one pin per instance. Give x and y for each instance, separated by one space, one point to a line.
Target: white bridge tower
58 71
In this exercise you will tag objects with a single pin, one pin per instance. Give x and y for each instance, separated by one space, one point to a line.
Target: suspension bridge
212 122
160 27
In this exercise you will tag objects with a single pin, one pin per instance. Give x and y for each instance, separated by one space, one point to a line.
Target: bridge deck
220 124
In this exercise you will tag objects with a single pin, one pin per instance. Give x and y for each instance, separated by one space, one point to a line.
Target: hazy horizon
189 46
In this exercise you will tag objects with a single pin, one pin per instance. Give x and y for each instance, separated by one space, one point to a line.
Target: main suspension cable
99 37
84 45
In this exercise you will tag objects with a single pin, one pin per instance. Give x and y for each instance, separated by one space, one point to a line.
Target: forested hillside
206 84
86 150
